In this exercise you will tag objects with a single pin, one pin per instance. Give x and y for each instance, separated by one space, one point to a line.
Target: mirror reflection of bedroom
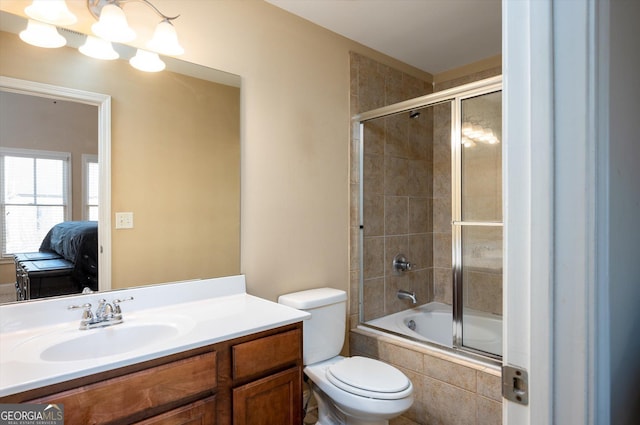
49 186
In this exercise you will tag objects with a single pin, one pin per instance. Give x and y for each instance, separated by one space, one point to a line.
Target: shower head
414 114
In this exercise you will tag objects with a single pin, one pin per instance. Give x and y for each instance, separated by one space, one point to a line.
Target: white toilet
349 390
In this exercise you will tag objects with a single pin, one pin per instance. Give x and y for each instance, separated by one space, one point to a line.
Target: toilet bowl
383 394
349 390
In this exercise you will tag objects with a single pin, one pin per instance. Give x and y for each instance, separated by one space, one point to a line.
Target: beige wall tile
420 215
489 386
451 373
446 404
397 136
442 250
442 214
402 357
374 134
374 256
374 171
396 215
489 412
419 179
420 252
374 300
417 411
443 285
373 214
396 176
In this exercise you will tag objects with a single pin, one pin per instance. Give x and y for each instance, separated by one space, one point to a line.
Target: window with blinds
35 196
91 187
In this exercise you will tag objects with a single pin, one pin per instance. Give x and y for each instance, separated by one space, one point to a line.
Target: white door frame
555 297
103 103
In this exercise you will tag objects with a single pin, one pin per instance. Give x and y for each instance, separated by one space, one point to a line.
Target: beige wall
295 136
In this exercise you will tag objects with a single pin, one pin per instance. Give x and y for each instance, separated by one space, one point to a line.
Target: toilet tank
323 333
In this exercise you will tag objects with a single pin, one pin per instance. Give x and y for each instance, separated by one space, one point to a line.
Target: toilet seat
369 378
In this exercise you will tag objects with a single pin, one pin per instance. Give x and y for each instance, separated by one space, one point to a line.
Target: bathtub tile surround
449 390
397 204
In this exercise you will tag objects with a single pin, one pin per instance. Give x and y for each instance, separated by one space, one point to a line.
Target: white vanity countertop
207 311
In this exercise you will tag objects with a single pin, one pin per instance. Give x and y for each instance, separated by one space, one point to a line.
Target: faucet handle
117 311
87 316
401 264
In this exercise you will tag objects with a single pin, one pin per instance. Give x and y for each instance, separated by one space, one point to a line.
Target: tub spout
406 295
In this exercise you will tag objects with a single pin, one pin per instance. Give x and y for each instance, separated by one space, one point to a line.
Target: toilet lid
369 378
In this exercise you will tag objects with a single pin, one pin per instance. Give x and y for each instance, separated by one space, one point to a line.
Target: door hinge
515 384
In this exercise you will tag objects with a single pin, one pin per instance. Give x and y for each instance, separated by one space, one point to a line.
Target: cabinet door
201 412
274 400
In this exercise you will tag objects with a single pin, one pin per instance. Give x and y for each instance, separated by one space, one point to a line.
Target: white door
555 296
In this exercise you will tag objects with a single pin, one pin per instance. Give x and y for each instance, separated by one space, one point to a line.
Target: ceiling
432 35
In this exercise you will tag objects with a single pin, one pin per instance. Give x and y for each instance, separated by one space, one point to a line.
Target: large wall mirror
174 154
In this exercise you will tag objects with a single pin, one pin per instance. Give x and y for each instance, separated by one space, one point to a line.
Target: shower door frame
454 96
458 223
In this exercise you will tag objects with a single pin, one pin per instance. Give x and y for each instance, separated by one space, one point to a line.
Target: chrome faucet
106 314
406 295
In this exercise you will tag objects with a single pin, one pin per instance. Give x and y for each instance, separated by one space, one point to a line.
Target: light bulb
42 35
113 25
98 48
147 61
468 143
165 40
51 11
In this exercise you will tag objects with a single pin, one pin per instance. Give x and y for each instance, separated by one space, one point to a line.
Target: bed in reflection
66 263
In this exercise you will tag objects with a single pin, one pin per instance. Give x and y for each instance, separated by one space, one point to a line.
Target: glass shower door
478 224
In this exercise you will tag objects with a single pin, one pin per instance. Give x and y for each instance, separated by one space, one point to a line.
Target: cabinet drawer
125 398
201 412
254 358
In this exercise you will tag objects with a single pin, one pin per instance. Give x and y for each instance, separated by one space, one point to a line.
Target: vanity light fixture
112 25
98 48
41 34
147 61
51 11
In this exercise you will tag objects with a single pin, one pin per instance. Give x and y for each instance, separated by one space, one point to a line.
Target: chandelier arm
95 6
148 3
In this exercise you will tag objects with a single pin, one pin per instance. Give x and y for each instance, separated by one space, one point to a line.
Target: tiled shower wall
448 390
397 204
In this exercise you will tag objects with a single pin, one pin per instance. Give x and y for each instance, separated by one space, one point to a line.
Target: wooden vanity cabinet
261 397
256 379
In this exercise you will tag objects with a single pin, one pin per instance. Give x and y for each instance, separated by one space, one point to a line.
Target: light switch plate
124 220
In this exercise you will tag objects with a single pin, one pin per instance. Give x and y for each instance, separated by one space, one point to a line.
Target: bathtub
433 322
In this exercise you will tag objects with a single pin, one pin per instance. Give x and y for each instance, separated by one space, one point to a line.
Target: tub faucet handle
401 264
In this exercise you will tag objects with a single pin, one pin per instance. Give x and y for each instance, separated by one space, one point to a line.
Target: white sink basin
108 342
78 345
